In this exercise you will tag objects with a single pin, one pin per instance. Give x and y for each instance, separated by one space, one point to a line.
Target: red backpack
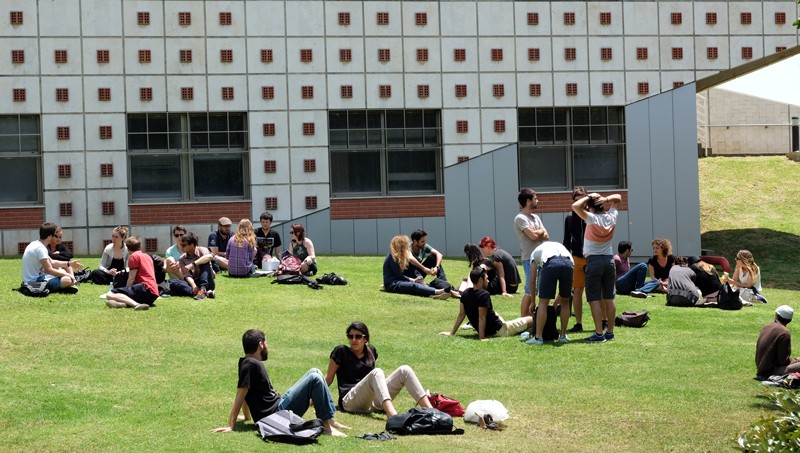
446 404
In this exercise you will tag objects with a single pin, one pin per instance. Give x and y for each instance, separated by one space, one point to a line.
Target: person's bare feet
338 425
330 429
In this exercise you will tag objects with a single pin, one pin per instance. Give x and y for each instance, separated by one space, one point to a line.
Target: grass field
78 376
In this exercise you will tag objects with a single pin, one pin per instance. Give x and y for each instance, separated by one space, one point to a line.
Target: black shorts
138 293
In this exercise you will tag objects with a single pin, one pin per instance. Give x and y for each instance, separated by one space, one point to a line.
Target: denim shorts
556 272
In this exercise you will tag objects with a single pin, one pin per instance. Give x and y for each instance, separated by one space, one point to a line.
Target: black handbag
728 298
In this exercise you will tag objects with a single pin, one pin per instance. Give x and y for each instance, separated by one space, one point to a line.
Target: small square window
65 209
461 159
62 132
385 91
533 18
106 170
462 126
19 94
746 18
308 128
459 54
145 94
345 55
570 53
498 90
677 84
711 18
747 53
21 246
309 165
605 18
227 93
384 55
346 91
62 94
780 18
307 92
423 91
533 54
461 91
105 132
712 53
497 54
383 18
780 49
185 18
187 93
676 18
225 18
68 245
608 88
106 242
421 18
535 89
60 56
64 171
17 56
422 54
15 17
104 94
270 166
226 56
606 53
143 18
572 89
311 202
499 126
185 55
271 203
569 18
144 56
268 92
344 18
643 88
266 55
108 207
102 56
677 53
269 129
306 55
151 245
641 53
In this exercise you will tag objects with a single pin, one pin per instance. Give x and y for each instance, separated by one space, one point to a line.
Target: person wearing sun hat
774 346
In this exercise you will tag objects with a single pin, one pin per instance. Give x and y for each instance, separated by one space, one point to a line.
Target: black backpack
286 427
550 332
728 298
34 289
632 319
422 420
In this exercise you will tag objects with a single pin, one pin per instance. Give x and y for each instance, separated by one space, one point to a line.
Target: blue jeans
311 386
526 267
632 279
649 287
409 287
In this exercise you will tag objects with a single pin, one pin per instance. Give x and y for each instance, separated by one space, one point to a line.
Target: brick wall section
21 218
562 202
381 208
180 213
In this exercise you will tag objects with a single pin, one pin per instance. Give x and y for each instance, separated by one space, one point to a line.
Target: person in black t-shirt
267 240
256 396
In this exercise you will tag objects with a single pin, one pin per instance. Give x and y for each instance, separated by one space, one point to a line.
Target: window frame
38 197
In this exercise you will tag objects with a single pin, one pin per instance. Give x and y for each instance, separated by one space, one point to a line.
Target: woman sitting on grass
394 281
706 277
747 277
362 387
658 265
303 249
241 250
114 259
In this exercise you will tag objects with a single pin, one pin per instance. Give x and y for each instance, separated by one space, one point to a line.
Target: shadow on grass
766 402
775 253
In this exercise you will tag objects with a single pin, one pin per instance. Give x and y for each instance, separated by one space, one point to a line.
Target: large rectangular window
385 152
188 156
563 147
20 159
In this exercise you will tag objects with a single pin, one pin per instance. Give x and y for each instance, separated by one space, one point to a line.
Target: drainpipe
795 134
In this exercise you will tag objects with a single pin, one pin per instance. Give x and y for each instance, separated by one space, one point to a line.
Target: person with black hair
574 230
362 387
38 267
628 278
774 346
426 260
196 267
531 233
267 239
140 290
258 399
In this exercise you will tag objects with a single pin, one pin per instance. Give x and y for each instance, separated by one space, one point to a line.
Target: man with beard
531 233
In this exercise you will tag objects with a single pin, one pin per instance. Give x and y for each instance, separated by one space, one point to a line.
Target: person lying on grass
362 387
476 305
258 399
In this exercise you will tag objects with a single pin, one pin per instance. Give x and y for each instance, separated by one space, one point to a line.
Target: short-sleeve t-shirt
661 273
509 266
599 233
261 398
273 240
472 299
31 261
216 239
547 250
146 273
521 223
351 369
423 253
173 252
623 265
187 259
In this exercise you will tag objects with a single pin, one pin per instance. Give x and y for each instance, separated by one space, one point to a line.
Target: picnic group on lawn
558 273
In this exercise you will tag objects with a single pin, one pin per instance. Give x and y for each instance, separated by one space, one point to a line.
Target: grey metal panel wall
554 223
637 137
365 232
387 229
662 158
437 236
687 191
342 241
482 217
410 224
505 181
457 208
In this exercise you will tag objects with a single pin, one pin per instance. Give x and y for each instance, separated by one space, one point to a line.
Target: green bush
777 432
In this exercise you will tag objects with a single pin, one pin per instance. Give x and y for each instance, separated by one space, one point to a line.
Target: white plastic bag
477 409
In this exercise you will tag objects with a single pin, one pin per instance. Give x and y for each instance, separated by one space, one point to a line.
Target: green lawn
78 376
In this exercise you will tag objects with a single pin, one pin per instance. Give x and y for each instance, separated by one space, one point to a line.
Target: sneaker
524 336
210 294
563 339
534 341
595 338
141 307
759 298
577 328
441 296
638 294
609 336
115 304
200 295
467 326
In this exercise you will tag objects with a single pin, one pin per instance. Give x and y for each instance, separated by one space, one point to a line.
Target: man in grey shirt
531 233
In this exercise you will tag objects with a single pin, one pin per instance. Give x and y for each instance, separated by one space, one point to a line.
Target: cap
784 311
224 221
693 259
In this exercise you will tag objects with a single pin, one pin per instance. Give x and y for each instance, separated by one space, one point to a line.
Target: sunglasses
355 336
179 235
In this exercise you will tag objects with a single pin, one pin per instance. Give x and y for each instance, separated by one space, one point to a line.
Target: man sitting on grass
256 395
196 267
476 305
141 290
38 267
774 346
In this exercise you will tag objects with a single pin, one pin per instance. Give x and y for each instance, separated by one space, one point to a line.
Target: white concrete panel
334 92
665 11
214 47
172 26
47 48
489 137
59 18
32 102
686 44
432 45
632 44
560 90
278 64
617 61
256 123
305 18
239 101
120 178
100 17
277 82
50 163
668 78
91 100
130 8
702 43
30 49
115 56
737 28
49 137
449 133
596 81
495 18
371 10
632 87
459 18
434 99
772 42
559 28
372 46
701 26
78 238
356 26
334 63
94 200
199 101
30 21
259 177
772 28
521 27
485 48
266 18
593 18
756 43
317 82
487 95
283 192
238 20
118 140
410 27
524 80
293 47
299 175
133 101
373 83
11 239
581 61
75 95
320 120
174 46
545 61
301 191
52 200
157 58
449 82
470 46
451 153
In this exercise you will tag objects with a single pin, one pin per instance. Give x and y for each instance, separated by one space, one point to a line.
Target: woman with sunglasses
114 259
303 249
362 387
59 252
